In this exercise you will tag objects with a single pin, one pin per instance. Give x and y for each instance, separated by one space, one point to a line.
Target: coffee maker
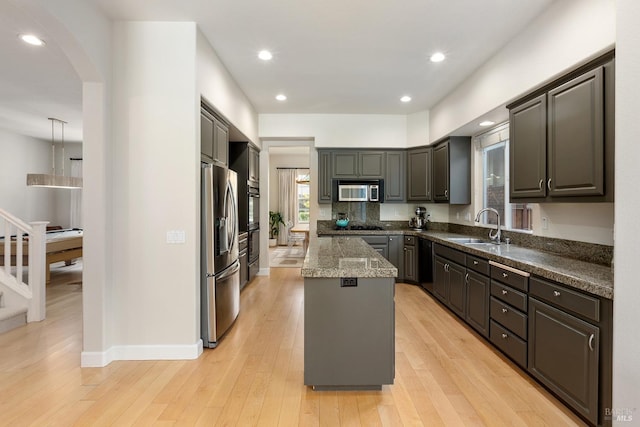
419 222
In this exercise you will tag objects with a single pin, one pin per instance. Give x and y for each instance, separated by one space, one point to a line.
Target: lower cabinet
476 311
390 247
243 257
561 336
449 284
565 349
410 259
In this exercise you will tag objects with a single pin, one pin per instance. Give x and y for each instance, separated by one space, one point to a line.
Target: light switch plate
176 237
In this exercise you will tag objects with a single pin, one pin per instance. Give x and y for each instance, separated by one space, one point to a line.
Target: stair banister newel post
37 280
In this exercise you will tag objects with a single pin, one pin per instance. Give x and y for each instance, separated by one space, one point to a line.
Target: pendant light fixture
53 180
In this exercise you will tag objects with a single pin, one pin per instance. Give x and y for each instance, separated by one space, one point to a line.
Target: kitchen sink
468 240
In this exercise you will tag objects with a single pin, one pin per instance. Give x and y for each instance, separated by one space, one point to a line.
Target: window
302 196
494 149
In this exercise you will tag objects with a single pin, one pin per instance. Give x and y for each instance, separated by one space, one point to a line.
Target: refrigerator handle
230 271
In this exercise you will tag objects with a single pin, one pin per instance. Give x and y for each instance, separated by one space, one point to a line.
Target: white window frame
494 137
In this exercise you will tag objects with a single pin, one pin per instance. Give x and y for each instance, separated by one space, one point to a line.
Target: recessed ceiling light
281 97
31 39
437 57
265 55
405 98
487 123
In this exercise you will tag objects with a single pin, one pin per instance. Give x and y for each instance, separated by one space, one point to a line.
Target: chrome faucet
495 237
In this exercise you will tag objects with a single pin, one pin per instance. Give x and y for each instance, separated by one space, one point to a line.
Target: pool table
62 245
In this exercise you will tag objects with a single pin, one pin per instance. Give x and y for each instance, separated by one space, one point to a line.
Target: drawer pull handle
540 184
504 292
466 278
591 339
475 262
556 293
549 184
505 275
505 336
504 310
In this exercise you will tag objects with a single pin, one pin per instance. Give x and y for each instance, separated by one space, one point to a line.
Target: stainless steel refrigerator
220 267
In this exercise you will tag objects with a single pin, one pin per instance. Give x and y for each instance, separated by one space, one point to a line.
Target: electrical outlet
468 216
348 282
545 223
457 215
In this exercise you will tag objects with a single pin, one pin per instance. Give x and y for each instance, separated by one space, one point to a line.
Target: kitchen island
349 324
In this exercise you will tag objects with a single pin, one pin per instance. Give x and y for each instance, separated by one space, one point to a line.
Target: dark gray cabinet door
419 168
206 136
324 176
576 137
564 355
371 164
394 254
254 165
457 288
410 264
476 311
440 279
394 179
220 143
528 149
452 171
441 172
345 164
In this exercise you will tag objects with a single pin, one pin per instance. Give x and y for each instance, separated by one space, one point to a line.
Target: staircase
11 317
22 271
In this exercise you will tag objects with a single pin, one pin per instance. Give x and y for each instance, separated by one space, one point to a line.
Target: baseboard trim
89 359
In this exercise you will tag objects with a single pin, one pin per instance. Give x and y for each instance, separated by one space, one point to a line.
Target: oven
253 209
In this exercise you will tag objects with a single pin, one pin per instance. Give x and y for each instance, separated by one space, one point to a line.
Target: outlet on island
346 282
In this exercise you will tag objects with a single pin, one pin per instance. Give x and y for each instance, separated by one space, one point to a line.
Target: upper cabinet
394 177
419 174
358 164
562 138
324 176
452 171
254 165
214 139
244 158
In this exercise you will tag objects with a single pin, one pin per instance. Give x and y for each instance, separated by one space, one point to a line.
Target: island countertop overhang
345 257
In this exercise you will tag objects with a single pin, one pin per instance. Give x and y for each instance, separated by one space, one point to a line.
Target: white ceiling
332 56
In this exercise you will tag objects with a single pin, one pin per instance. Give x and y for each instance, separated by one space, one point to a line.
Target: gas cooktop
360 227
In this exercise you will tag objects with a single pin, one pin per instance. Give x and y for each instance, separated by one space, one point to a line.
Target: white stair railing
12 273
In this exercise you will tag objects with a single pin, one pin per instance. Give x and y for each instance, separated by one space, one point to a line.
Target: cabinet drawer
516 278
509 295
509 317
478 264
450 253
375 240
409 240
243 241
509 343
567 299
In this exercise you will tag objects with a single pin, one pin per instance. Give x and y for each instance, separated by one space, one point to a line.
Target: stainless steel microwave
351 191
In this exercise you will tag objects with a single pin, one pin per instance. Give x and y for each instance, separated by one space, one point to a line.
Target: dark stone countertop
593 278
345 256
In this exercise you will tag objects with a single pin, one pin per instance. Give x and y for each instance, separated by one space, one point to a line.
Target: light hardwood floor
445 374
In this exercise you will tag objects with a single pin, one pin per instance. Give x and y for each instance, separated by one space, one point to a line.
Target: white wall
338 130
418 129
156 149
221 90
565 34
626 340
22 155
